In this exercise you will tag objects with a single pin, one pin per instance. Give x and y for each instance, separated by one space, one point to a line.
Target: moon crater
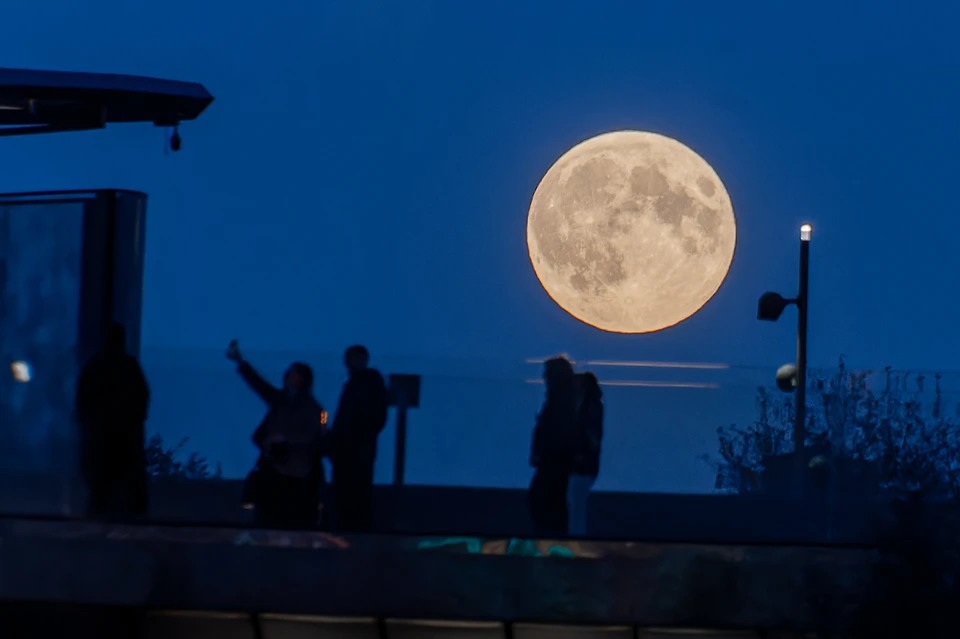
631 232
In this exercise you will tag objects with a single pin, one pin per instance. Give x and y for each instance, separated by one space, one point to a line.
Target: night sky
365 172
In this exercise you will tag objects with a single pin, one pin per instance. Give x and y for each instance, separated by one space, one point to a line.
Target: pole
400 448
800 426
8 434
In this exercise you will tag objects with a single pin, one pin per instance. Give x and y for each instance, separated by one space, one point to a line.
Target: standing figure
586 461
284 487
352 441
553 449
111 408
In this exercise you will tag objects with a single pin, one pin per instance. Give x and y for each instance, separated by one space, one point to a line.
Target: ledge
479 579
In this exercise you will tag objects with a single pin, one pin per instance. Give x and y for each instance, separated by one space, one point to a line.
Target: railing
473 429
474 423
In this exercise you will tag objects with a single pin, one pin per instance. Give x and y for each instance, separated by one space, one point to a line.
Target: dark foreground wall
488 511
92 622
483 511
407 577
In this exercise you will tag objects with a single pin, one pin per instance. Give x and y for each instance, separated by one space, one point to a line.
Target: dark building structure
71 262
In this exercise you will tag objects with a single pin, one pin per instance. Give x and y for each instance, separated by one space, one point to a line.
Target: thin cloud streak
701 385
629 364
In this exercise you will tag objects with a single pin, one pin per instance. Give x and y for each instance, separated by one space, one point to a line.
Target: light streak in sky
630 364
645 384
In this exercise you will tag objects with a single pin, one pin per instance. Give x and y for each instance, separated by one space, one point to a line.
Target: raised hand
233 351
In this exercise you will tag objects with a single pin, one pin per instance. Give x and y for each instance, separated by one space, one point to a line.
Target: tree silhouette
881 433
163 461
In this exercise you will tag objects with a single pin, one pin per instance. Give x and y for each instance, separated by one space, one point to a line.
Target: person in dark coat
285 486
111 408
586 461
553 449
352 441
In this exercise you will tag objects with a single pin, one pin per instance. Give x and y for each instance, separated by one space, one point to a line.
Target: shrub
163 461
883 433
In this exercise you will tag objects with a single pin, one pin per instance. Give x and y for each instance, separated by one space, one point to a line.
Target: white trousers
578 492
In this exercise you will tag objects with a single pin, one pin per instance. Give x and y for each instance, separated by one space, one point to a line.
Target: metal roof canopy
55 101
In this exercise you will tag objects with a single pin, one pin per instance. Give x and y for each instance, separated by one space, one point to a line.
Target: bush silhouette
163 461
883 433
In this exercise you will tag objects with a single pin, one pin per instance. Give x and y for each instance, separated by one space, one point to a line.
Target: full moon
631 232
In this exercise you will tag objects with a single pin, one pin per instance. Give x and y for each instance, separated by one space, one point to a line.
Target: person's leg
93 468
269 507
140 505
363 504
573 506
561 513
340 499
307 515
113 492
294 503
578 493
131 485
345 504
551 494
98 495
352 500
353 496
535 497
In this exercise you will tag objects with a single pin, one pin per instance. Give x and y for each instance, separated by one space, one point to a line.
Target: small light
805 232
21 371
323 418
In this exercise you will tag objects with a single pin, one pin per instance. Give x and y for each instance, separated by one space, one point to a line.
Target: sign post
404 393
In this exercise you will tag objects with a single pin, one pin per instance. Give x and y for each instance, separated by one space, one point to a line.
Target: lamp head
806 231
787 378
771 306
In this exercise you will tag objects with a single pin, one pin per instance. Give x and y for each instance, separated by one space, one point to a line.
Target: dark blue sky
365 172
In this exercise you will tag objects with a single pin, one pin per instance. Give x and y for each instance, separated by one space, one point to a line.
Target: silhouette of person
284 487
552 451
352 441
111 407
586 461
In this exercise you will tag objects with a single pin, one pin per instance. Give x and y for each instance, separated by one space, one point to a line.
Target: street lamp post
770 308
800 426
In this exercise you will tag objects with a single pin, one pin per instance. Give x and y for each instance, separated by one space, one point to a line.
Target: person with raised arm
285 485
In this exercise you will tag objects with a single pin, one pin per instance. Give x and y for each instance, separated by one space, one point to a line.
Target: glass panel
40 260
473 427
700 453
